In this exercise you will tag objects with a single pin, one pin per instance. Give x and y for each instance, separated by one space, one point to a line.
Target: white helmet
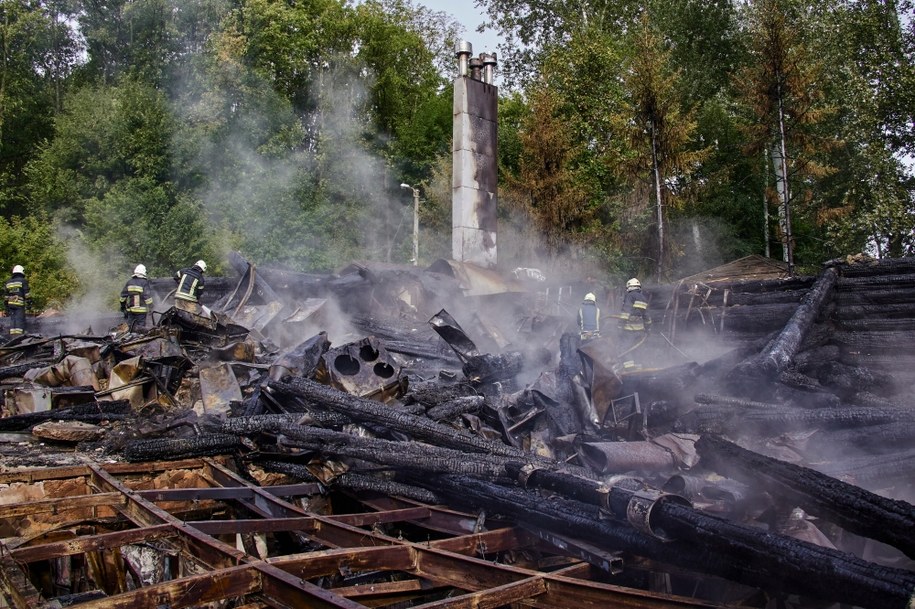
590 297
200 264
18 269
140 271
633 284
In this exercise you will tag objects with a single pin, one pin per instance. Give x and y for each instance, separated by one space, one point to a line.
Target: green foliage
105 135
141 221
658 134
36 53
31 242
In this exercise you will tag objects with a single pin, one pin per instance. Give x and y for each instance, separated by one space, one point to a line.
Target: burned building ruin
394 436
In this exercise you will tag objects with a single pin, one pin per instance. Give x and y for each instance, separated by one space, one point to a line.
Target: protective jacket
17 292
634 317
190 284
589 317
136 297
17 299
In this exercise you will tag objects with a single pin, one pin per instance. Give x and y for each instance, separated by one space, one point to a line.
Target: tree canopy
653 137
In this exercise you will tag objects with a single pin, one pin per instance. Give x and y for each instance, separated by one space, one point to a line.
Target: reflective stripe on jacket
137 295
634 317
17 291
190 284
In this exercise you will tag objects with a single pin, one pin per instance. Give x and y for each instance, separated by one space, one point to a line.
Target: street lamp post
415 221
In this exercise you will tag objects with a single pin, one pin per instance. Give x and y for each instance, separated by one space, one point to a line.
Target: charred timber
854 509
244 426
877 295
436 393
457 407
16 371
412 456
716 418
160 449
364 410
95 412
670 517
357 482
777 357
901 312
886 266
870 472
753 557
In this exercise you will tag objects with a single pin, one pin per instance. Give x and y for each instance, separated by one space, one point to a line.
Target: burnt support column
474 160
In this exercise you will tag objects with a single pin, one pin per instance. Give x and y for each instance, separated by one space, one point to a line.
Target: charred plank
855 509
777 357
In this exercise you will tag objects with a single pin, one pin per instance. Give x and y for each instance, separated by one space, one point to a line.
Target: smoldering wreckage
462 447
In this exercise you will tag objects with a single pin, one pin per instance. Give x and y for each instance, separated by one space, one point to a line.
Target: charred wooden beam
872 438
876 471
752 557
182 448
364 410
456 407
401 455
94 412
855 509
353 481
724 412
777 357
18 370
901 267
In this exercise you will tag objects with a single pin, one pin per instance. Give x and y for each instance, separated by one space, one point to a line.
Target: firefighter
589 317
137 300
634 322
17 299
190 287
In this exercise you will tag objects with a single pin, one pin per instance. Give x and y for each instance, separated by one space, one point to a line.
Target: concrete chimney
474 160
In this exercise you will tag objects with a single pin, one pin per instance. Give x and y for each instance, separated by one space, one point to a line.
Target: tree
658 134
37 51
32 242
780 87
870 197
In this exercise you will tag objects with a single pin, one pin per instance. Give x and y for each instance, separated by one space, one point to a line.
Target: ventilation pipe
463 50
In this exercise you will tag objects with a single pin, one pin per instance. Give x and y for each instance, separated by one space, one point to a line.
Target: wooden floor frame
459 560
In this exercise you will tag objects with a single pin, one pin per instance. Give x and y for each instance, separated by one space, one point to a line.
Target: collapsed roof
388 436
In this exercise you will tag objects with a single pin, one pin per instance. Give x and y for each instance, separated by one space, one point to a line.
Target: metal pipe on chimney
489 67
463 50
476 68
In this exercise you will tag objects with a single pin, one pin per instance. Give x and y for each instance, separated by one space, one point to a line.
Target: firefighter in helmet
136 299
17 299
634 322
589 317
190 287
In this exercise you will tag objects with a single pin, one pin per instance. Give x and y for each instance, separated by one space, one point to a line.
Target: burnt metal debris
390 436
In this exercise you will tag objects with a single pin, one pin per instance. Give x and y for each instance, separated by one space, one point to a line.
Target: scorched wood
181 448
777 357
853 508
364 410
753 557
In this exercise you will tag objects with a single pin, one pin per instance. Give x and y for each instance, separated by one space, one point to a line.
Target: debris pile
463 446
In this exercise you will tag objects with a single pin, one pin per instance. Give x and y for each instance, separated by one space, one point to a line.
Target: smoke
306 192
100 283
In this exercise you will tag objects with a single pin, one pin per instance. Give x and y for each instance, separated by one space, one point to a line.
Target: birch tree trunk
659 202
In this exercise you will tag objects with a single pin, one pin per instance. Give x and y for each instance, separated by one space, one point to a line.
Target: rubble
442 437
